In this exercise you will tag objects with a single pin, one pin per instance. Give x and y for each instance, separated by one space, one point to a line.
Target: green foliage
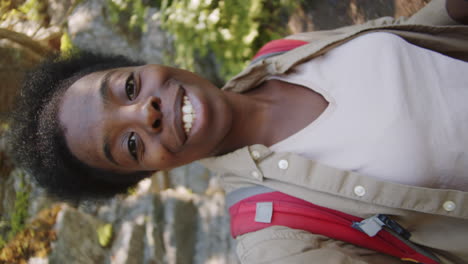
104 233
128 16
4 127
34 10
6 6
34 240
2 242
132 190
20 211
233 30
66 44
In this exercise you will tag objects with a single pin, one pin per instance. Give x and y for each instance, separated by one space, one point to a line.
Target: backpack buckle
372 225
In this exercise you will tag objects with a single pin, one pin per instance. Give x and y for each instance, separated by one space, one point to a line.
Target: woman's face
132 119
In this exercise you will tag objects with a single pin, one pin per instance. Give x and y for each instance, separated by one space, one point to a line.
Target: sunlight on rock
216 260
180 192
129 246
144 186
81 20
38 261
170 247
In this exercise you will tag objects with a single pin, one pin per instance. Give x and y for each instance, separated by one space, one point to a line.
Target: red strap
299 214
279 45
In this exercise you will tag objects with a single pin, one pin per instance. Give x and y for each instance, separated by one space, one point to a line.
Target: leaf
104 233
66 45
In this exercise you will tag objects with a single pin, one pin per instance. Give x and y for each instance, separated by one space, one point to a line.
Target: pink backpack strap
276 47
256 208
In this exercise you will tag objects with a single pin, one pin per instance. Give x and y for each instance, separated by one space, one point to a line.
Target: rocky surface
175 226
89 29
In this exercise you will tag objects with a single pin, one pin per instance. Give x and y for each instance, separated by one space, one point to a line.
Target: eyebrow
107 151
104 87
104 94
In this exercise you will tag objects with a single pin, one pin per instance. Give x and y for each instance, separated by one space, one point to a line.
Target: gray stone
180 217
89 29
214 243
129 244
38 199
77 239
58 10
192 176
146 211
38 261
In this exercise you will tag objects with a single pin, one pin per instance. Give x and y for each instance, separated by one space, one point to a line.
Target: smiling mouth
188 116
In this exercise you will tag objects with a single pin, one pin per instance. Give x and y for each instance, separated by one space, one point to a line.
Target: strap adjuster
372 225
264 212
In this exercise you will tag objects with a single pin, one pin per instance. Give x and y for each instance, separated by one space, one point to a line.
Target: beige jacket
437 218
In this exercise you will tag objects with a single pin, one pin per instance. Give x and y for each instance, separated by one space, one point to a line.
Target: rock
192 176
58 10
180 217
129 245
38 261
77 240
143 213
214 243
89 29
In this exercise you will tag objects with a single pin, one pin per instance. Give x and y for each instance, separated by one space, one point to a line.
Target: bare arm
458 10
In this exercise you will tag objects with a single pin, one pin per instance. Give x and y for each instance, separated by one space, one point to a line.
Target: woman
363 120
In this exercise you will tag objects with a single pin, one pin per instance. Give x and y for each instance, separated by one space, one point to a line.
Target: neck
270 113
251 115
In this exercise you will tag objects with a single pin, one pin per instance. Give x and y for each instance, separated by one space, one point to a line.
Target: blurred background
176 216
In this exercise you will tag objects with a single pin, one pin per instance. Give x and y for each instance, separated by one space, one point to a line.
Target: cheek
160 159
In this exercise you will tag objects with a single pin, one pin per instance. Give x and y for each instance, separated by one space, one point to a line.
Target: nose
151 116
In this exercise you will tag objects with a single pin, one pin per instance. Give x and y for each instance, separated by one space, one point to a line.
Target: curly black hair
37 141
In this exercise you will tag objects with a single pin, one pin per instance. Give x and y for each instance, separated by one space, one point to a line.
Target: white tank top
396 111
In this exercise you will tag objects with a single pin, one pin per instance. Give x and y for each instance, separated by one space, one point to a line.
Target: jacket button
359 190
283 164
256 175
449 206
255 154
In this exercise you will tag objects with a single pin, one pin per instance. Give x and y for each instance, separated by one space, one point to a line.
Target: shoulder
371 40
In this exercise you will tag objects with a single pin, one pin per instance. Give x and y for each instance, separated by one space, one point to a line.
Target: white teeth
187 109
189 114
188 118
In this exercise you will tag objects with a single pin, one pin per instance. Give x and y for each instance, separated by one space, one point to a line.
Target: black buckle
372 225
394 226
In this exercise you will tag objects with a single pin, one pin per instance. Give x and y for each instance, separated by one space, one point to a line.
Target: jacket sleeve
278 244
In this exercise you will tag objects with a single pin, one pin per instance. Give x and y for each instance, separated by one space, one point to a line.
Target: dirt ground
329 14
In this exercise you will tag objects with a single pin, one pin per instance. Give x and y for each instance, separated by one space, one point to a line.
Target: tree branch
25 41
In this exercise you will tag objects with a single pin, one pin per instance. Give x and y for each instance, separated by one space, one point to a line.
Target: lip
176 121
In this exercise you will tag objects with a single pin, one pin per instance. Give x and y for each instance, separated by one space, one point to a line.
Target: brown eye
132 145
130 88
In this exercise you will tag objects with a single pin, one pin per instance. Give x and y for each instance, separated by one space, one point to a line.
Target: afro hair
37 142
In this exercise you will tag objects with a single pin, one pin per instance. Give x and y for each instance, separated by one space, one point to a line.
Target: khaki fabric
437 218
